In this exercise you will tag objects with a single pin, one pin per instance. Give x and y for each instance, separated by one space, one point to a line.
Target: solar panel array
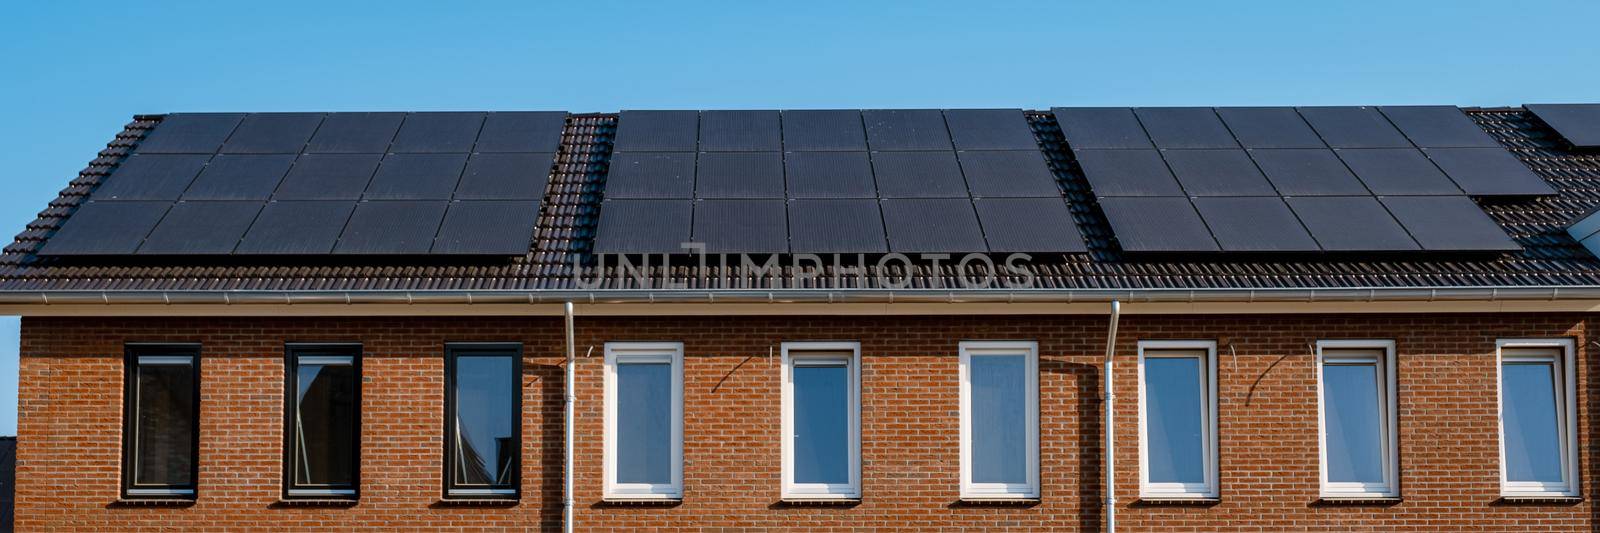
832 181
1283 179
1579 124
323 183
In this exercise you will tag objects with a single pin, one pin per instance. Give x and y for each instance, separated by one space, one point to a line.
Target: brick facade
71 401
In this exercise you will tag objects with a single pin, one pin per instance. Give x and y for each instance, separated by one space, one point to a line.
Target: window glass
821 423
644 423
485 419
325 422
999 418
1175 417
1354 422
1532 427
163 422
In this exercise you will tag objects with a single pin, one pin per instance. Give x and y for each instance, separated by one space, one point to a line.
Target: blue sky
73 73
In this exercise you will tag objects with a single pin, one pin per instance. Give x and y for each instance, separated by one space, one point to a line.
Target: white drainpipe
572 399
1111 400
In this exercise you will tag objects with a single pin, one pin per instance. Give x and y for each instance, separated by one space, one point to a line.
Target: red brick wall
70 411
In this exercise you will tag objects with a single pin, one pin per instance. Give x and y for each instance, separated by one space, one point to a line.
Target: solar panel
1269 127
416 177
151 177
522 131
657 131
391 227
105 228
328 177
1157 225
1351 223
1127 173
272 133
1217 173
741 226
1449 223
239 177
990 129
488 227
1185 127
1008 173
1028 225
651 175
643 226
1254 224
189 133
1354 127
1398 172
826 226
906 129
1579 124
918 175
1438 126
1489 172
829 175
1091 128
1307 172
739 175
207 228
823 130
505 177
435 133
355 133
297 227
740 131
932 225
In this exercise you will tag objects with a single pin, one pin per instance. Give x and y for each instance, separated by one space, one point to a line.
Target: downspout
1111 401
572 400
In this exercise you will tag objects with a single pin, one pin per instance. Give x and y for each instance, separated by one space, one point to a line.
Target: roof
565 232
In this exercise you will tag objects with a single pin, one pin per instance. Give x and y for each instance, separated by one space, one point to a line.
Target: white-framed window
999 420
1177 420
1538 429
1357 417
821 420
644 421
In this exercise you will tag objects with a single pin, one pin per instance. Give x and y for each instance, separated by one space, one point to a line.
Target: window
324 395
821 420
1356 403
162 414
482 431
999 420
1538 434
1177 420
644 421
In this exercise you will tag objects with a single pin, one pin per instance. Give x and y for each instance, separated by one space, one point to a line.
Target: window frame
132 352
793 353
292 354
1385 363
1210 488
453 352
1562 356
643 352
1000 491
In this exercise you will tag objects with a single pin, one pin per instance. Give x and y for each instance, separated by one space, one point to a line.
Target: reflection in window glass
821 423
324 422
484 420
1175 416
644 423
1532 426
1354 423
163 428
999 418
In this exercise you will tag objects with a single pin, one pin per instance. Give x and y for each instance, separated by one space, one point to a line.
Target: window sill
316 502
820 501
1358 500
991 501
476 502
1536 499
1177 500
154 502
627 501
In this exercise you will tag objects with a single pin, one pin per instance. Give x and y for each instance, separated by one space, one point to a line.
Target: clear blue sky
71 74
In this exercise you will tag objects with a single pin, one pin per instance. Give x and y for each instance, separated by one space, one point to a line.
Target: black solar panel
416 177
189 133
297 228
740 131
328 177
657 131
1157 225
1008 173
355 133
1269 127
918 175
1254 224
1127 173
151 177
1354 127
1307 172
1579 124
1217 173
823 226
273 133
651 175
1448 223
438 133
1185 127
741 226
391 227
1398 172
1351 223
1438 126
1028 225
106 228
823 130
932 225
1489 172
522 131
201 228
1093 128
990 129
829 175
487 227
505 176
739 175
906 129
643 226
239 177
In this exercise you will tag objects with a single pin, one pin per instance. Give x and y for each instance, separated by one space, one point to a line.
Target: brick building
1341 318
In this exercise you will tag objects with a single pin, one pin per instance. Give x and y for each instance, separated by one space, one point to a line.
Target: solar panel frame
438 133
633 226
1157 224
740 131
328 177
1438 126
1269 127
1127 173
1185 128
1578 124
1489 172
919 175
824 130
522 132
391 227
657 131
505 176
297 227
201 228
1448 223
355 133
932 225
829 175
1217 173
1010 173
240 177
189 133
487 227
106 228
743 225
651 175
1398 171
1307 172
739 175
836 225
416 177
1033 225
904 130
150 177
1102 128
1254 224
1354 127
990 129
1351 224
272 133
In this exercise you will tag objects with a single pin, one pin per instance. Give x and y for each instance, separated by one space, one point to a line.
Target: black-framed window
483 433
323 390
161 437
